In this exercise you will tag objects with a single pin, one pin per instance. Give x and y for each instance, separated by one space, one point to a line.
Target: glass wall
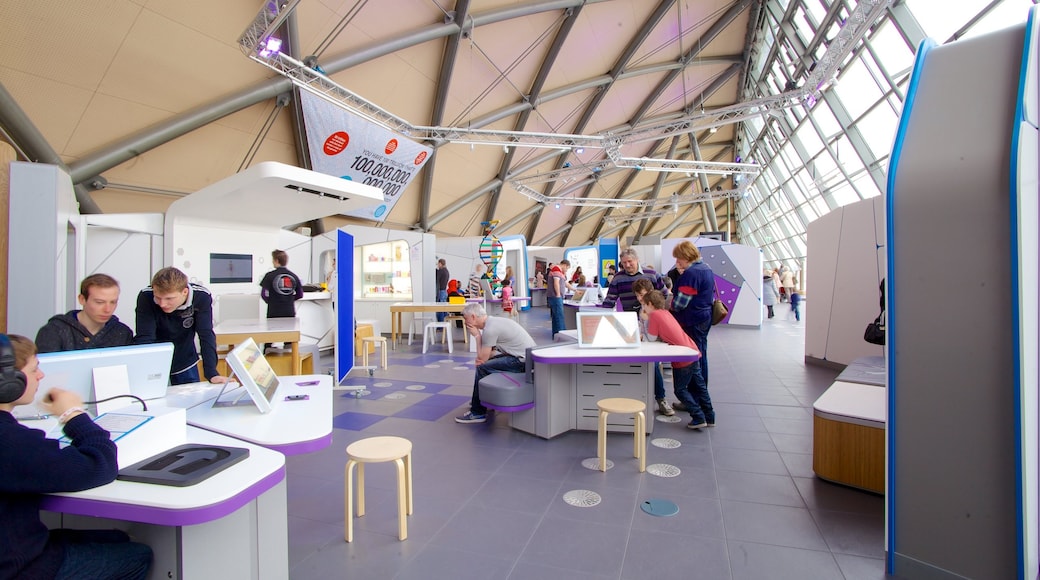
829 152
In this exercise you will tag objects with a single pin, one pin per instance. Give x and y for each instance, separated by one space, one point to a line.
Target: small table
263 330
397 308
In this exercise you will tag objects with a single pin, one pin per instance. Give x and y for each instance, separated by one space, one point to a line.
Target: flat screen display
230 268
608 329
255 373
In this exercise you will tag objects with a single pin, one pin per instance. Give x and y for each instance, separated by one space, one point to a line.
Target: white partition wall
962 327
41 265
847 250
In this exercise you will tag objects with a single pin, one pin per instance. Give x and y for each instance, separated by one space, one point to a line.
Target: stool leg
641 440
450 339
601 441
360 489
382 350
402 502
408 480
348 502
364 354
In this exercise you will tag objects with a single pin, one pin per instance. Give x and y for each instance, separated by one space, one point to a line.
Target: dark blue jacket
180 328
694 293
31 465
64 332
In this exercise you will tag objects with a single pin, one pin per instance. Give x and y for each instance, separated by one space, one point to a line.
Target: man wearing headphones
93 327
172 310
32 465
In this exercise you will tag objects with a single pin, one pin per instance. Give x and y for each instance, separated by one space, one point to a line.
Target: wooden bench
849 435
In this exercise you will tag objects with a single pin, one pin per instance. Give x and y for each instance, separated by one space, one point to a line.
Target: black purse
875 332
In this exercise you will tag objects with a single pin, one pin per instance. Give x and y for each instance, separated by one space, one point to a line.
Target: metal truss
863 16
673 201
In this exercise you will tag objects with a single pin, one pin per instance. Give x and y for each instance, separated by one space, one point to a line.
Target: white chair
430 334
419 321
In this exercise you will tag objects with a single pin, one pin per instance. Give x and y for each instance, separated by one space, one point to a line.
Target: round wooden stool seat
379 450
625 407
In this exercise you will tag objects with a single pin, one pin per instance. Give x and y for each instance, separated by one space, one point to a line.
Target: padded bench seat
869 370
849 435
506 392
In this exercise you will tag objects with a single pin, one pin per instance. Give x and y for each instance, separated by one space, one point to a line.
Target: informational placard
351 147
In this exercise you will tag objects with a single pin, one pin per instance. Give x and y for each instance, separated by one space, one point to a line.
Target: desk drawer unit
602 381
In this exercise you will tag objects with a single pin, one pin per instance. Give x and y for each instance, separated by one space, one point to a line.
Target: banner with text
348 146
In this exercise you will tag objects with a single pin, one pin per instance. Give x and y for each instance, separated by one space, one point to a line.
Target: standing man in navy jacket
172 310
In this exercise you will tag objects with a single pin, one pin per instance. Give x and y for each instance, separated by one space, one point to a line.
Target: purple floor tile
355 421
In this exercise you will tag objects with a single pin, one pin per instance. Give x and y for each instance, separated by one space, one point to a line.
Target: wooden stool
379 450
627 407
378 341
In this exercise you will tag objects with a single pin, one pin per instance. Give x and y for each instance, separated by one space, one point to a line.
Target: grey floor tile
653 554
749 460
516 493
799 426
497 533
855 534
696 517
691 481
532 571
774 525
741 439
824 495
860 568
439 562
799 464
792 443
578 545
759 487
752 561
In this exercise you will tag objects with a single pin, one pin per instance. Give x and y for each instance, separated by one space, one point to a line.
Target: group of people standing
778 285
171 309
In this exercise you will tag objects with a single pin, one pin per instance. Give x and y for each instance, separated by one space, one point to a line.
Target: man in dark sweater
32 465
172 310
442 286
620 288
95 326
280 288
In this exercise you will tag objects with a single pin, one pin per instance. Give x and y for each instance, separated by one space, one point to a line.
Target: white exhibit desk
233 525
292 427
569 380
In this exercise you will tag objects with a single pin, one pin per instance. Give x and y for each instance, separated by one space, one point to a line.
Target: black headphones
12 380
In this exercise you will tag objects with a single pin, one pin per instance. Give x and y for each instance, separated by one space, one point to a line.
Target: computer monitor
578 296
608 329
147 367
255 374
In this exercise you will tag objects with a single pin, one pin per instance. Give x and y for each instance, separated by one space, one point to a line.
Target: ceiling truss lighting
254 42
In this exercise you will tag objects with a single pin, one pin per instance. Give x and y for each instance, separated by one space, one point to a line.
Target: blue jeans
658 382
556 314
692 391
699 333
188 375
102 554
505 363
442 296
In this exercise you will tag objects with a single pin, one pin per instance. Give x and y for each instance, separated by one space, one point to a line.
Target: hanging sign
351 147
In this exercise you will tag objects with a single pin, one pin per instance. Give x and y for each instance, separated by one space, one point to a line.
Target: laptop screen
608 329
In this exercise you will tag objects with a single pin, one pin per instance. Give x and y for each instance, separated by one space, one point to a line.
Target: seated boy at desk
172 310
95 326
33 465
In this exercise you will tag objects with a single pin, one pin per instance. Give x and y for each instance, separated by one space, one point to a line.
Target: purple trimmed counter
292 427
232 525
569 380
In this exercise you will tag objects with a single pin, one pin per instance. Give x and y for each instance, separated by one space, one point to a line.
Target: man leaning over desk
172 310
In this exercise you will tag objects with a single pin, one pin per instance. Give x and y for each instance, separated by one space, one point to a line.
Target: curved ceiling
151 99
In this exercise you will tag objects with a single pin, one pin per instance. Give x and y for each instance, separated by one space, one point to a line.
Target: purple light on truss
270 46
